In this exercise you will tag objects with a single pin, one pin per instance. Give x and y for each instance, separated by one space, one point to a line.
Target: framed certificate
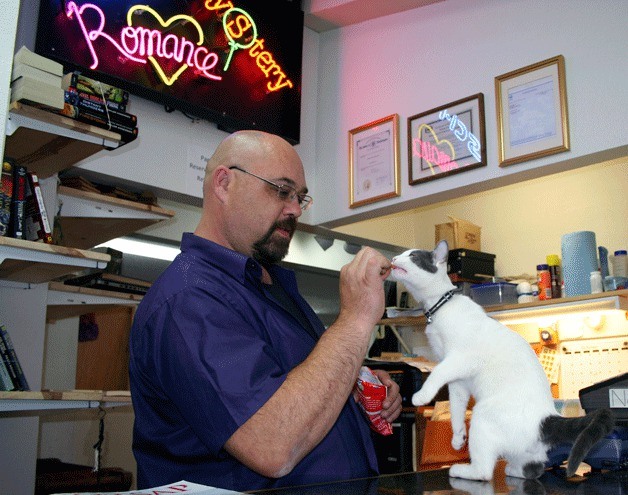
531 107
446 140
374 161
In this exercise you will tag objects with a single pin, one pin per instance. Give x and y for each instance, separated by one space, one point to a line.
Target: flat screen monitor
233 62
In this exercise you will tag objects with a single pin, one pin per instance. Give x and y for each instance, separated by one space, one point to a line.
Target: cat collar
430 312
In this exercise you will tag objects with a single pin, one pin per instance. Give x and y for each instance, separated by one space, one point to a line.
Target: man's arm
294 420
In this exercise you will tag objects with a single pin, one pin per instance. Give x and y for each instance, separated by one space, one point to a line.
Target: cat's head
423 273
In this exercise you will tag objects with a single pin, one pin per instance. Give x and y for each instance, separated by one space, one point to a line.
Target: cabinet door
103 360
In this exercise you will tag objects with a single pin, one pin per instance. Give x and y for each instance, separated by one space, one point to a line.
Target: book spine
36 224
13 359
18 203
6 196
100 109
6 382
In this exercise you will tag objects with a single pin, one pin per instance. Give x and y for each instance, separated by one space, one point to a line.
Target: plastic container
619 263
596 283
494 293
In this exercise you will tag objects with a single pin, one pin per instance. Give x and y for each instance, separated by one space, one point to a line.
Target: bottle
596 282
620 263
544 281
553 261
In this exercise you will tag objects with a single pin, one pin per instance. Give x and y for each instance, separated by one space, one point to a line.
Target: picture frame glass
447 140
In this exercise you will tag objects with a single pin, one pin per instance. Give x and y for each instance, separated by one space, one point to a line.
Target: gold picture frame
531 107
374 161
447 140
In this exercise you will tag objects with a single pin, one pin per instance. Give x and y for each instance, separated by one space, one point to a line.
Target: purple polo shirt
207 349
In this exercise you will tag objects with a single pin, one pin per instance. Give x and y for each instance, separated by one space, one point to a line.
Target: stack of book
22 210
99 104
36 80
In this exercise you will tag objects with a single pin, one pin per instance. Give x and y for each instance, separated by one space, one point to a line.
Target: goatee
269 250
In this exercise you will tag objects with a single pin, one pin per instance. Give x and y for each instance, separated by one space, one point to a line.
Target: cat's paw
420 398
459 440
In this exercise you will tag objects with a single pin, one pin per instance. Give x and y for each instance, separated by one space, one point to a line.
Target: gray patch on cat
424 260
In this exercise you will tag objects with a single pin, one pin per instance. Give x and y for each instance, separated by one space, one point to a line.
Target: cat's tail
583 432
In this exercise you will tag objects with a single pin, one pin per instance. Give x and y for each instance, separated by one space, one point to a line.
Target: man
235 381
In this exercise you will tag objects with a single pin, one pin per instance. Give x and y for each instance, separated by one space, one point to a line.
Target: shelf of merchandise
509 313
29 262
47 143
87 219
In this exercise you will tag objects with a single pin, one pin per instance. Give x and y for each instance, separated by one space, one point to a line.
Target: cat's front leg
451 368
458 402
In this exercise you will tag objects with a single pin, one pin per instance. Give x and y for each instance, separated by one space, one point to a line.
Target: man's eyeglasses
285 192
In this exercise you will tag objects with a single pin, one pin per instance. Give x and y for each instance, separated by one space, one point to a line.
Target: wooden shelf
47 143
88 219
66 301
36 262
52 400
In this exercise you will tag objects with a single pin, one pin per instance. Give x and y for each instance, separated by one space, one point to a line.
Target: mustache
289 224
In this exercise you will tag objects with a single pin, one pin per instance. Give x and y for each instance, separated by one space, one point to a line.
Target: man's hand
391 407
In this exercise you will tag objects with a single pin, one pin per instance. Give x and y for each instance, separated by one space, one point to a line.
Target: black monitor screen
234 62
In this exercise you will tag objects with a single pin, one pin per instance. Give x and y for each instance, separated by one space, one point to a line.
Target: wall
420 59
524 222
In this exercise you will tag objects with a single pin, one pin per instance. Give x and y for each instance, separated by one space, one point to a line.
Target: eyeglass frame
304 200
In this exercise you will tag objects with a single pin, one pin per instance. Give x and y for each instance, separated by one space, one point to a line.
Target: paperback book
36 223
6 195
16 228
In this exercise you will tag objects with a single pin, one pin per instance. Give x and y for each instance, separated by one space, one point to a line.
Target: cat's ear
441 252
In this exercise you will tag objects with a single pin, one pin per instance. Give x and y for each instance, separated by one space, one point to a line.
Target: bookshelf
87 219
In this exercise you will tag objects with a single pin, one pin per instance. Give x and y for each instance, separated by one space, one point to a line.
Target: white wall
420 59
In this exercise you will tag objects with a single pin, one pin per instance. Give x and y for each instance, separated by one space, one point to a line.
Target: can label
544 281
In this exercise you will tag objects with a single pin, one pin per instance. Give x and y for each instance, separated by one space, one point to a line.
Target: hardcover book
36 223
23 70
12 359
6 195
28 90
6 382
27 57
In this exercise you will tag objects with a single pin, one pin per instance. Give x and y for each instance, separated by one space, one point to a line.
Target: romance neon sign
434 151
172 54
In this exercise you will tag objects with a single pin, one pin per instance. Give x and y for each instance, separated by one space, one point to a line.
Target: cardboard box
459 234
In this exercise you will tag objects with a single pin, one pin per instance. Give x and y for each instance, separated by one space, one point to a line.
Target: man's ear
220 180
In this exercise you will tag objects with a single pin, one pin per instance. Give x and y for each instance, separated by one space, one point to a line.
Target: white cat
514 417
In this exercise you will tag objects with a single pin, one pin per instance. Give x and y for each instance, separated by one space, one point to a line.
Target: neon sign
430 152
235 62
141 44
460 131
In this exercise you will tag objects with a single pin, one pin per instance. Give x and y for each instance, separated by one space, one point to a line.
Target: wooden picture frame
374 161
447 140
531 105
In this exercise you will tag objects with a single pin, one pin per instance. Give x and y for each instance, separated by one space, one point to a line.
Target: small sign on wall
195 170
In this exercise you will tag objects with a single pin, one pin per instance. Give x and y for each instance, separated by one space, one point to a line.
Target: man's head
253 192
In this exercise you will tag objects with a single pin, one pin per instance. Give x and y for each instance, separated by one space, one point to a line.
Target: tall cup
579 256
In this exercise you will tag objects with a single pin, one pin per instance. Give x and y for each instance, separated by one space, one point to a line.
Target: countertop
437 482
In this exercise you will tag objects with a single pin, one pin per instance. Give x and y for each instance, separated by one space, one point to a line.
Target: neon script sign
162 48
440 152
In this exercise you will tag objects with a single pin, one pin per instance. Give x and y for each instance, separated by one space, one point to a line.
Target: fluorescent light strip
142 248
